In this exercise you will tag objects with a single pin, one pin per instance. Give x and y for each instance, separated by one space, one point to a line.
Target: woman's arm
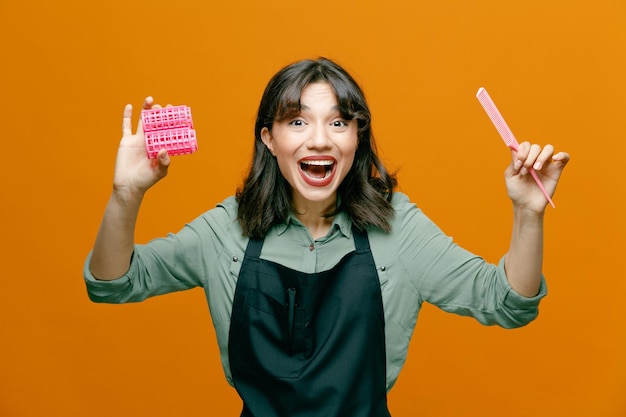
134 175
523 261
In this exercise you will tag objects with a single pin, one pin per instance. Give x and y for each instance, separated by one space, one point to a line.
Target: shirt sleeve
455 279
176 262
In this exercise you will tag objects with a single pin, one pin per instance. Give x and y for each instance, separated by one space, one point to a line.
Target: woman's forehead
309 96
318 92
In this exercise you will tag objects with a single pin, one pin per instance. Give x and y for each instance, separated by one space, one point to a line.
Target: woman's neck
314 217
318 226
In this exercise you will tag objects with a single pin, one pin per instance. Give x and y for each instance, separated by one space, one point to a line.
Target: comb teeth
497 119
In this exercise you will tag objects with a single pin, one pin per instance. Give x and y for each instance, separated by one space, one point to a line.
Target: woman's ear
266 137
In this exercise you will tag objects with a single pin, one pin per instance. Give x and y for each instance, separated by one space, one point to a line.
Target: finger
163 161
516 162
148 102
522 151
126 120
147 105
533 154
544 156
561 157
518 156
163 158
530 157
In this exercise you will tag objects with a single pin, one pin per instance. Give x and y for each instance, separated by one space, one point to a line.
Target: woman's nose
319 138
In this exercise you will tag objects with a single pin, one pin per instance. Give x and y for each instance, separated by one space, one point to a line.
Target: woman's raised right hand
135 173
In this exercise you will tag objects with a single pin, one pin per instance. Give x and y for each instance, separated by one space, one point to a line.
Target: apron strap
253 250
361 242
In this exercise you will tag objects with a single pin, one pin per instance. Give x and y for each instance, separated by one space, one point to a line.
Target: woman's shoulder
402 202
230 205
407 212
223 215
403 208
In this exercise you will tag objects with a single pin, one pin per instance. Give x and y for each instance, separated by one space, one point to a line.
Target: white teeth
320 163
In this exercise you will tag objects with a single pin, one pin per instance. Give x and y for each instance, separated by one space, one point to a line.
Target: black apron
309 345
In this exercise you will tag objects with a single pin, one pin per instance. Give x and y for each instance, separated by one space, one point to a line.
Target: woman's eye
297 122
340 123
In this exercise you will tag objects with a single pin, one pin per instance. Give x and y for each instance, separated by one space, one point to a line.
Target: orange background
555 69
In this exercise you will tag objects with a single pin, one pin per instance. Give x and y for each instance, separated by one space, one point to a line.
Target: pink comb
505 132
169 128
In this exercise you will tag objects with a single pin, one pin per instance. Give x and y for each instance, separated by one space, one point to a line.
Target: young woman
316 270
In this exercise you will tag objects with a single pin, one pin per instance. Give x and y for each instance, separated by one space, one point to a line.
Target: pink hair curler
175 141
505 132
169 128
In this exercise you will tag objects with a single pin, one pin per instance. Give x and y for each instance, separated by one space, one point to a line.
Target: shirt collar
341 221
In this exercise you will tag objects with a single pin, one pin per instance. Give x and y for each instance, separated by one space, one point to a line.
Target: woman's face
315 148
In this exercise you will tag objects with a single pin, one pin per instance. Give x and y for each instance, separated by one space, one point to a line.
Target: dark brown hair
365 194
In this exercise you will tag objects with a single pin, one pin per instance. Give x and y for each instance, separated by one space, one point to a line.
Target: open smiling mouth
317 172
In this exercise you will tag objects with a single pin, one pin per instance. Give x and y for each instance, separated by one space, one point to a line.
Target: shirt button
235 259
312 247
383 268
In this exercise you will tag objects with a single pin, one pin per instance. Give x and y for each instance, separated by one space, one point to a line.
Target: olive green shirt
416 262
